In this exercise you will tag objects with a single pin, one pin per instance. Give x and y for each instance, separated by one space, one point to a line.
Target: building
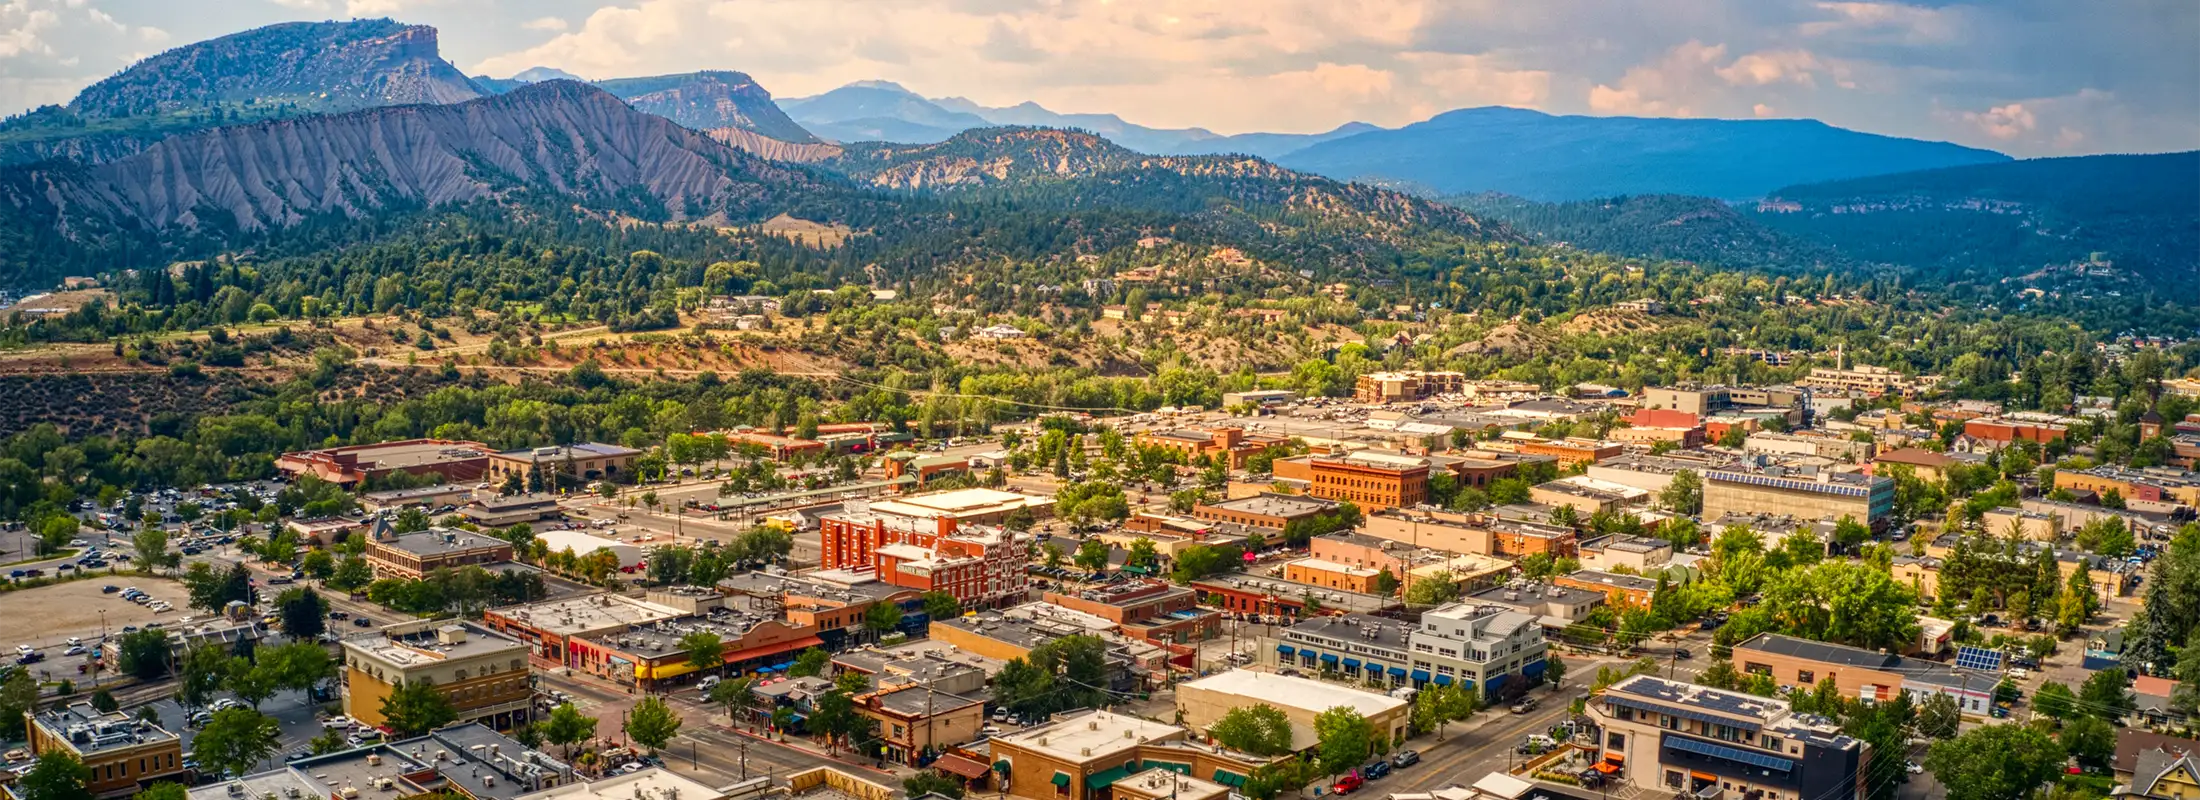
1357 549
2156 766
926 548
547 628
1712 743
1082 756
1553 606
1570 451
1200 703
1231 444
1332 575
1587 496
583 543
975 506
1653 473
1371 480
1399 387
1010 635
455 460
1925 464
442 494
484 674
774 446
650 658
1860 673
1148 610
1818 444
1258 397
544 468
497 511
2150 485
1619 590
123 753
411 556
1358 647
832 603
1267 510
2037 526
1640 554
1407 530
1862 379
656 783
1812 494
1518 539
1493 650
464 761
917 720
1998 432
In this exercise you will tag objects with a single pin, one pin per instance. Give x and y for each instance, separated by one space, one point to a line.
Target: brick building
1332 575
457 461
412 556
542 468
485 675
912 547
1232 444
1267 510
1148 611
124 754
1370 479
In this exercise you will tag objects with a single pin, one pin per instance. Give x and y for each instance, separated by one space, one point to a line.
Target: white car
2020 673
75 640
75 650
1912 767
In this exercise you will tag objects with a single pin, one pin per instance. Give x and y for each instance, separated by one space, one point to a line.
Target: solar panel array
1978 658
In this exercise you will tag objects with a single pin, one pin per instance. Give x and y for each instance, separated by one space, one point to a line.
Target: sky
2025 77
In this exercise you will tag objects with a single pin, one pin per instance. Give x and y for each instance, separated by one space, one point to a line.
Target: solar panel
1978 658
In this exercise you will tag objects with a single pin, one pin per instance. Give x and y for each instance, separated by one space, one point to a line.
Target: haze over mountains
279 126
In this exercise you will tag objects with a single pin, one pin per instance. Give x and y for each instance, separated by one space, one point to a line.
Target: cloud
545 24
1772 66
1885 22
2003 122
1662 88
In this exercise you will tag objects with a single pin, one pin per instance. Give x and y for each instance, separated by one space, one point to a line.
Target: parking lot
48 615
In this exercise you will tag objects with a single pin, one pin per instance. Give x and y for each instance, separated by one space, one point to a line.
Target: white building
584 543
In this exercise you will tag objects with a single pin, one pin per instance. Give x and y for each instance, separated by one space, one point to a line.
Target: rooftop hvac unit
236 789
349 792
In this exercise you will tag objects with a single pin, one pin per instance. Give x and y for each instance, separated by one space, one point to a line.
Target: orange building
1571 451
2004 431
1372 480
1619 590
1231 443
123 754
1332 575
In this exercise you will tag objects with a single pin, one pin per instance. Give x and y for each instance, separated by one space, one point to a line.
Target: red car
1348 784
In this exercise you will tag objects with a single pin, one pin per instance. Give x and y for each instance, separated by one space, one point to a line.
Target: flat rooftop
958 502
662 637
444 541
1103 733
1276 505
89 730
405 454
656 783
583 450
588 613
1326 565
431 642
1363 628
1305 694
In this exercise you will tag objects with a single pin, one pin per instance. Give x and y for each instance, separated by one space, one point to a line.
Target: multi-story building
549 627
485 675
2152 485
1812 494
1371 480
1587 496
1149 611
1232 444
1925 464
1496 651
1267 510
916 720
1839 448
1720 745
1332 575
1411 529
1862 674
1200 703
1553 605
1862 379
1996 432
1359 647
1356 549
1640 554
124 754
1633 591
461 761
456 461
2026 524
543 468
1570 451
832 603
921 547
1653 473
1405 387
1517 539
411 556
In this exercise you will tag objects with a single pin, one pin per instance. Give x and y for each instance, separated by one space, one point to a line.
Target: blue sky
2027 77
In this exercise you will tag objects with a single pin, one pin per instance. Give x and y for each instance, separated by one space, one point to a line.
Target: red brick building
457 461
2005 431
1151 611
981 566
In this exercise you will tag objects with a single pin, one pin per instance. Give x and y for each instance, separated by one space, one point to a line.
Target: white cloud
545 24
1773 66
2003 122
1663 88
1885 22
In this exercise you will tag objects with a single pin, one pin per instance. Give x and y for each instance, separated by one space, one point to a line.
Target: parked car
109 589
1347 784
1375 770
1406 758
1525 705
362 622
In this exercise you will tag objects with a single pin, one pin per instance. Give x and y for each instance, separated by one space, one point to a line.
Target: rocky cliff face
562 137
708 101
765 147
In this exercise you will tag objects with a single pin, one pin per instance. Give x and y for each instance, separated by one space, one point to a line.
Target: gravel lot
49 615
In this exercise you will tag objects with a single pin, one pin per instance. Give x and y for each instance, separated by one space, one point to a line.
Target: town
1436 587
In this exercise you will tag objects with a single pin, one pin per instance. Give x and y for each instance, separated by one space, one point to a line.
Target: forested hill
1556 158
1076 170
265 73
2129 215
1697 229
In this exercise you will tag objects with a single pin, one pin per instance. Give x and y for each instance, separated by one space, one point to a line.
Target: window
1804 677
1616 741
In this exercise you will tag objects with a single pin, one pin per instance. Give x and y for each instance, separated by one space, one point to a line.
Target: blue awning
1420 675
1285 649
1351 662
1374 668
1398 671
1729 753
1534 671
1443 680
1329 658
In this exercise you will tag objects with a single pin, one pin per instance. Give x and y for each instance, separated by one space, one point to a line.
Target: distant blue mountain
878 111
1552 158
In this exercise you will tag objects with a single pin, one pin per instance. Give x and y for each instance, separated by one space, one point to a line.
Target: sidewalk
801 743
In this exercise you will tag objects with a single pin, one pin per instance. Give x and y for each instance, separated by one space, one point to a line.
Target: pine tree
2147 639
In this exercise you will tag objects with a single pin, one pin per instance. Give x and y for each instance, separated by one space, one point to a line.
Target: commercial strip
1201 703
484 675
1705 742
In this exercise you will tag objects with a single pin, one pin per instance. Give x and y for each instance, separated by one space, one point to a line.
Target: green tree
705 650
2104 696
330 741
941 606
167 790
203 670
236 740
304 613
737 697
1092 555
1938 717
57 775
932 782
1995 762
152 549
143 654
351 575
1143 554
18 694
1259 729
810 662
416 708
2055 700
1685 493
567 726
2091 741
1434 590
881 617
1344 739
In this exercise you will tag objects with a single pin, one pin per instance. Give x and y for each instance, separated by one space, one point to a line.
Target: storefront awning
1420 675
1061 779
1443 680
1352 662
1374 668
1228 778
1106 778
1398 671
1285 649
959 765
1607 768
1329 658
